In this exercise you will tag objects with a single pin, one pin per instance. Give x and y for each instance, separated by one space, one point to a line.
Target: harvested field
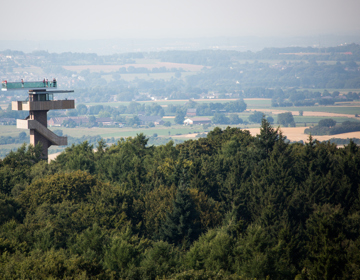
190 135
305 113
114 68
297 134
291 133
258 98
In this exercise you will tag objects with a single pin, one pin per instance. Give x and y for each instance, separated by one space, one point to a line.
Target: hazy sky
94 19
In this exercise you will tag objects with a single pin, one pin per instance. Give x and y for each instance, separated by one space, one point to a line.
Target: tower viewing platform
38 103
28 85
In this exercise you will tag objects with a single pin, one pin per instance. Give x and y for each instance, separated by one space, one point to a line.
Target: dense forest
227 206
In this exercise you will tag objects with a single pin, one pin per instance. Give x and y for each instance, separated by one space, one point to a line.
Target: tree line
329 127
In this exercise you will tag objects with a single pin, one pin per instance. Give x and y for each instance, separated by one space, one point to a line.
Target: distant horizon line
126 45
195 37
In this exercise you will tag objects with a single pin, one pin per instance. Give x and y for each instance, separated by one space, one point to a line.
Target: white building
197 121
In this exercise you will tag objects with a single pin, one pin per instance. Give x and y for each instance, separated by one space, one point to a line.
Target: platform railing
26 85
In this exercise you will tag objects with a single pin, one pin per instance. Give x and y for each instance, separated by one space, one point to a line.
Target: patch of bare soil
257 99
305 113
190 135
297 134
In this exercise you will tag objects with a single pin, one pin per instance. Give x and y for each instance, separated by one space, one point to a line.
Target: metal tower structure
39 102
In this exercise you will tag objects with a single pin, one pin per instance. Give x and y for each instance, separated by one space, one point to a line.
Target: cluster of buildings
192 119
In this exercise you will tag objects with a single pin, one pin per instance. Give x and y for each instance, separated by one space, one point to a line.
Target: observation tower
39 102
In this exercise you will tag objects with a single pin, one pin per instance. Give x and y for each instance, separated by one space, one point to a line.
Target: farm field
313 120
311 116
349 109
292 133
144 76
163 103
10 130
329 113
106 132
128 132
150 66
257 103
35 70
297 134
277 61
342 91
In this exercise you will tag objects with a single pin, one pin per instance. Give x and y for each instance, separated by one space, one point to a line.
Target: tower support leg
36 137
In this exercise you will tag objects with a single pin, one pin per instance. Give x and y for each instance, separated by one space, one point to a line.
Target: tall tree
181 227
179 117
267 138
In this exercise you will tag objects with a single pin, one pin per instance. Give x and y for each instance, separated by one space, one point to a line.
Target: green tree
124 254
256 117
327 243
327 123
51 264
90 244
167 123
267 138
161 260
179 117
235 106
56 188
270 119
16 166
181 226
214 251
286 119
220 119
69 123
133 121
77 157
9 209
